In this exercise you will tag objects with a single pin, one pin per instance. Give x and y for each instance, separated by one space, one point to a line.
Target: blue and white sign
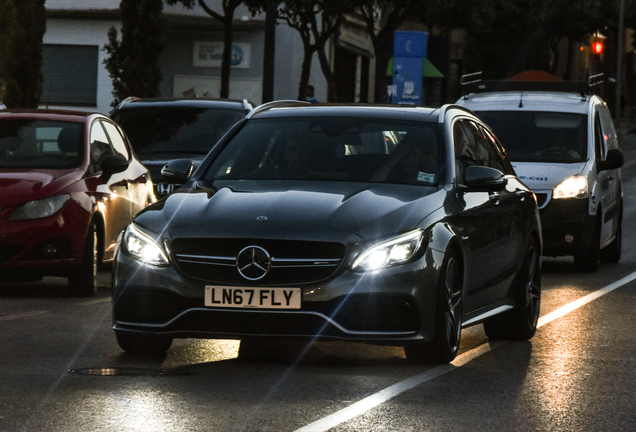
210 54
409 51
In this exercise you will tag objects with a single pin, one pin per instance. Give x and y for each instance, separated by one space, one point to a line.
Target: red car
69 184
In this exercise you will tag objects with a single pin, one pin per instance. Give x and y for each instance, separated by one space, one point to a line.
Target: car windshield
332 149
540 136
176 130
40 144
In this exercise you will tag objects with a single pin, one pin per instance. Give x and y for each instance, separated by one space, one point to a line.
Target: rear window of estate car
176 130
332 149
538 136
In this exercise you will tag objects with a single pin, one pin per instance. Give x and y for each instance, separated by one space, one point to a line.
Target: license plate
248 297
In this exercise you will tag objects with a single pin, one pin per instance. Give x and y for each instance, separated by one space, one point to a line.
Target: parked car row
394 225
71 181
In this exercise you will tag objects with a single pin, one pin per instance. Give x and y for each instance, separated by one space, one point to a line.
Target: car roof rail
247 105
275 104
445 108
125 102
472 83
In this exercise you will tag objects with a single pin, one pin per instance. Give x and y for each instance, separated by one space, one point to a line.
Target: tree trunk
332 90
305 71
383 53
227 54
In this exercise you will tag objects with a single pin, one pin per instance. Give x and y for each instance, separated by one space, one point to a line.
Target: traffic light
597 45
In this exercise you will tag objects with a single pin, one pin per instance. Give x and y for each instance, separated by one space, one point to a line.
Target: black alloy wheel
589 260
612 252
521 322
444 346
83 283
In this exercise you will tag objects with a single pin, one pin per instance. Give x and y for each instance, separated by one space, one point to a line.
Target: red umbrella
534 75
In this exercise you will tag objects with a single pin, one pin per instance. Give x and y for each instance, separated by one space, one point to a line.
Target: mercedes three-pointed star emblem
253 262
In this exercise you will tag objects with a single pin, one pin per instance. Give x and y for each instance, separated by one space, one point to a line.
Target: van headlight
41 208
142 247
396 251
571 187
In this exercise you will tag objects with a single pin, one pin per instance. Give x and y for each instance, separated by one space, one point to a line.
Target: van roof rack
472 83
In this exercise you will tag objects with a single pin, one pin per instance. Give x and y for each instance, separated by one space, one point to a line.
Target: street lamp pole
619 61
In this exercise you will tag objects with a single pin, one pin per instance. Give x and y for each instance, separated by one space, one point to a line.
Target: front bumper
50 246
392 306
567 227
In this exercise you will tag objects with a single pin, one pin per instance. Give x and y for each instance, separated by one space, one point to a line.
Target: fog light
569 238
50 249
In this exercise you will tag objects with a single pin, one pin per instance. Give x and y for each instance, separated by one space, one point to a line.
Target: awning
534 75
428 69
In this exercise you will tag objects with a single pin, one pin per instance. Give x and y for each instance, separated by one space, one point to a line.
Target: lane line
564 310
21 315
396 389
93 302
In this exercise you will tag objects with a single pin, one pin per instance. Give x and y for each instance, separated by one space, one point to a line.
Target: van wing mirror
613 160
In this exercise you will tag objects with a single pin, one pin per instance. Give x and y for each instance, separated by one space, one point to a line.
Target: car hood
545 176
154 162
20 186
283 209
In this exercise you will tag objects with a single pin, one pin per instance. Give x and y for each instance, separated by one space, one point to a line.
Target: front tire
444 346
521 322
589 260
83 283
612 252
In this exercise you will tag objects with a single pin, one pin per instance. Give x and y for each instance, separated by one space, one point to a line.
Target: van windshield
540 136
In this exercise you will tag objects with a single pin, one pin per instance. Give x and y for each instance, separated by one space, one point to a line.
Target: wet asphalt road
62 370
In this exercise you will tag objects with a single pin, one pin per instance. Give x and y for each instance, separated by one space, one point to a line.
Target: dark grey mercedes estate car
391 225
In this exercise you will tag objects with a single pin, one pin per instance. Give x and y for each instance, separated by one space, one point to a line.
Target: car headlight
142 247
39 209
389 253
571 187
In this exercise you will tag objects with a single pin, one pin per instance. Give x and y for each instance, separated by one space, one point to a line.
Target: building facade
77 31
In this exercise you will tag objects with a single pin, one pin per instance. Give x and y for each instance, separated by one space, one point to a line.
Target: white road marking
564 310
92 302
390 392
21 315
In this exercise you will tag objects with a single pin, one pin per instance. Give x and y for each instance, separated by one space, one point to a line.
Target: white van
563 145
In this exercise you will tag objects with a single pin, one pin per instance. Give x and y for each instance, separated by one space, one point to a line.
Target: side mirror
484 179
613 160
112 164
177 171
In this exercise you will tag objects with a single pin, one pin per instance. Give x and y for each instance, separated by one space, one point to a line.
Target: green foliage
8 24
23 25
133 62
500 49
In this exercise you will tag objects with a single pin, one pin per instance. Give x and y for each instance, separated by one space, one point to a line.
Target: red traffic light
597 45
